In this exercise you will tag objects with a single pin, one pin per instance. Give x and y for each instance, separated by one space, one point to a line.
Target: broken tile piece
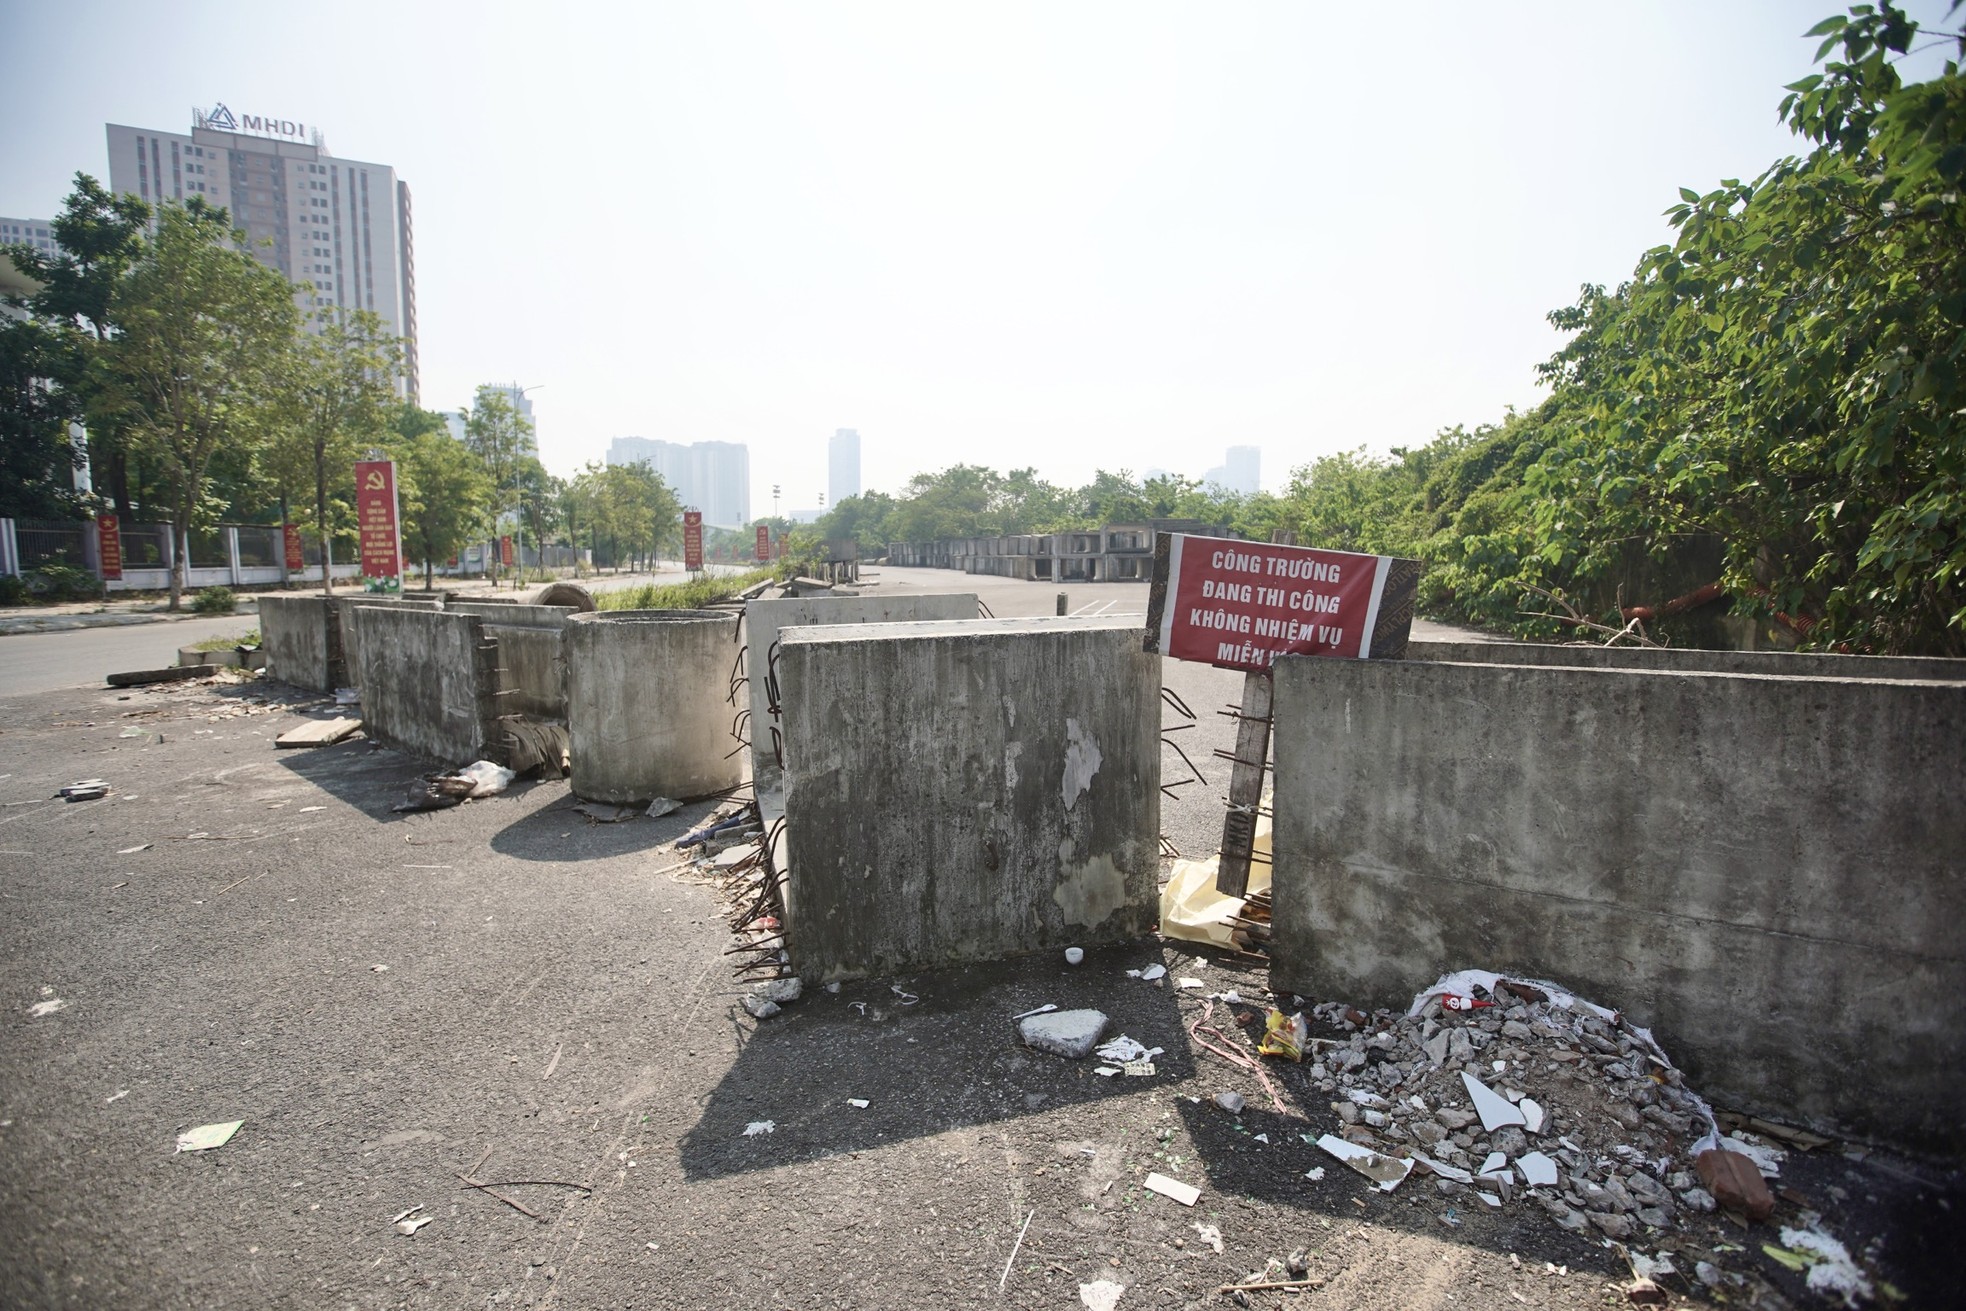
1444 1170
1388 1172
1532 1114
1495 1164
1495 1111
1538 1170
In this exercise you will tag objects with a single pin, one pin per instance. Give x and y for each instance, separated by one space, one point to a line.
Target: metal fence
45 542
147 546
260 548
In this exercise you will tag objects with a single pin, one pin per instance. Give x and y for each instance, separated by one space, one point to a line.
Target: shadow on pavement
948 1060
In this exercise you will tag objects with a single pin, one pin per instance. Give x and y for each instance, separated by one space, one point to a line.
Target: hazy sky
1067 235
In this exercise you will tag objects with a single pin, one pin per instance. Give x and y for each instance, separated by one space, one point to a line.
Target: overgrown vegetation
215 601
693 595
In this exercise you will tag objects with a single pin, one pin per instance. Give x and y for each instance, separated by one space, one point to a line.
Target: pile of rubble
1513 1093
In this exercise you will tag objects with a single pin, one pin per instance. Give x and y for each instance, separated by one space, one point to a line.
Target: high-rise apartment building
842 466
714 477
340 225
38 233
1241 472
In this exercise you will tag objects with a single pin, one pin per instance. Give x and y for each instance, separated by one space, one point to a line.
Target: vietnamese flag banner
296 560
505 550
692 539
764 542
1240 605
109 545
377 519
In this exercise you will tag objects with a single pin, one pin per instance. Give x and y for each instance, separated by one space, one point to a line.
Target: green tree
501 437
99 237
443 488
203 330
337 401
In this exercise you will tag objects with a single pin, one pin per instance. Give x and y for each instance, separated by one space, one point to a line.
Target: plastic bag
1285 1035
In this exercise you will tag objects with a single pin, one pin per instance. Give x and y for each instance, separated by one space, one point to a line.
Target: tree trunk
181 549
321 518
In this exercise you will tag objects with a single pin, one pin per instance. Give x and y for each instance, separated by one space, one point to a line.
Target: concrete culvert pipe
564 593
648 711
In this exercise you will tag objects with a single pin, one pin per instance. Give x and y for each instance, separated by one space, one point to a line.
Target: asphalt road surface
83 657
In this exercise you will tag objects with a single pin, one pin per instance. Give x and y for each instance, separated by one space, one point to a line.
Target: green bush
12 590
63 582
215 601
680 596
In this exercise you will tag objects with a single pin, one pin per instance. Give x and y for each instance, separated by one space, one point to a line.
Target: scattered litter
602 813
1149 974
88 789
1186 981
141 846
319 732
1538 1170
1315 1174
308 810
1386 1171
1735 1183
1495 1111
487 779
907 998
1101 1294
1232 1102
1455 1002
408 1222
207 1136
378 969
1766 1159
1123 1049
1071 1034
1106 1071
435 792
1045 1009
1074 955
858 1103
1650 1267
1831 1271
1015 1248
833 986
1284 1035
699 836
757 1127
1262 1138
1186 1194
48 1007
1210 1234
662 806
116 1096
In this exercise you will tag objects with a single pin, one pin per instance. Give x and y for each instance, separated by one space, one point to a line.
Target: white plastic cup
1073 955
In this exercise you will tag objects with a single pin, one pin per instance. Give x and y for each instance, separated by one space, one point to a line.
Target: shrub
215 601
63 582
12 590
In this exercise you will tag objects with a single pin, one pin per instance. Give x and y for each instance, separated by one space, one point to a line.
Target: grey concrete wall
648 713
1788 664
532 654
344 642
429 682
293 631
764 620
967 790
1764 870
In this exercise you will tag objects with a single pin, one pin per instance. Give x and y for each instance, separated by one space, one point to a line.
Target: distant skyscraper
715 477
339 224
842 466
1241 472
516 394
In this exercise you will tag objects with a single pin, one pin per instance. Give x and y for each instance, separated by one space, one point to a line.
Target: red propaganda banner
764 542
505 550
692 539
1240 605
109 545
377 520
296 560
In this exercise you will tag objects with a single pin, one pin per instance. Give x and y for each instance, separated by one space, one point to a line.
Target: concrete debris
1232 1102
782 991
1444 1170
1071 1034
662 806
88 789
1186 1194
1388 1172
760 1008
1101 1294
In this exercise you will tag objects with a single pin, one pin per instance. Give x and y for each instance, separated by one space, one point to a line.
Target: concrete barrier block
967 790
764 620
428 682
1766 871
648 712
293 631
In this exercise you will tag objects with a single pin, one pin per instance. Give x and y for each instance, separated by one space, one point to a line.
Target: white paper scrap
858 1103
756 1127
1186 1194
207 1136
